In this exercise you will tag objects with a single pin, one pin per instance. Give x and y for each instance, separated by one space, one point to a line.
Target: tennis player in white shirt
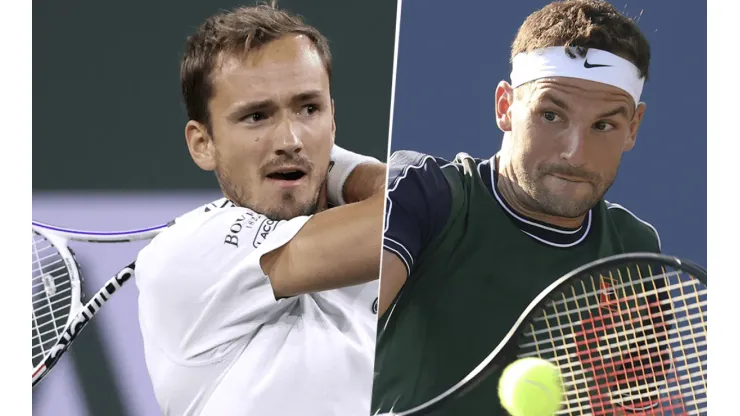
265 302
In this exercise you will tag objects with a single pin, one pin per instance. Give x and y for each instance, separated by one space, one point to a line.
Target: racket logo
49 286
608 298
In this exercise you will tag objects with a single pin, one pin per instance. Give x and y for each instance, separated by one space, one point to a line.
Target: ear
634 126
200 145
504 100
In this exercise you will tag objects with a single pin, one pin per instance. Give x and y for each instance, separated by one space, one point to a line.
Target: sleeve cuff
399 250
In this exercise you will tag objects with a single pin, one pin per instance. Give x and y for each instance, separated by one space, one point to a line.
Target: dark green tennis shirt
473 266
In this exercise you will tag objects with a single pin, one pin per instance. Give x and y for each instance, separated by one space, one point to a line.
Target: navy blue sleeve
417 205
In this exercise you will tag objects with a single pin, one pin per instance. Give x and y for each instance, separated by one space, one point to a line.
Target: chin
575 207
563 204
290 208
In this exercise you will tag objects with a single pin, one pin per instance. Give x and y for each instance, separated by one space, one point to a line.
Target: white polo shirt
216 340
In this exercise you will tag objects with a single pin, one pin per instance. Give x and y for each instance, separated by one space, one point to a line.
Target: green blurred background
107 108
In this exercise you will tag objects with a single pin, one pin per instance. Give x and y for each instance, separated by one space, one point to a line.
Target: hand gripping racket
629 334
58 314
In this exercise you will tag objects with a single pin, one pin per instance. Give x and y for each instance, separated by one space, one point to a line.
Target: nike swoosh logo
588 65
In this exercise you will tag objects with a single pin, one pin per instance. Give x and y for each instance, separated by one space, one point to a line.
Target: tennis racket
58 314
628 332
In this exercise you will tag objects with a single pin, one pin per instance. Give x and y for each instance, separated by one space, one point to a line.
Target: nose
574 151
287 137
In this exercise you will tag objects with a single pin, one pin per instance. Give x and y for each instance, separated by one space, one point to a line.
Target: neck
509 189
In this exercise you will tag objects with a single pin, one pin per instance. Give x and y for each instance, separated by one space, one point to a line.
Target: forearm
336 248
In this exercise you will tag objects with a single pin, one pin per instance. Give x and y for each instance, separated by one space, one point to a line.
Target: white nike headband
599 66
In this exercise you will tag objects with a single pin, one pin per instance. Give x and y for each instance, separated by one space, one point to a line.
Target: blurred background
450 60
109 152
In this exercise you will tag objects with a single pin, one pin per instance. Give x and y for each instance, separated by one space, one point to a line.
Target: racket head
53 340
514 344
56 295
628 333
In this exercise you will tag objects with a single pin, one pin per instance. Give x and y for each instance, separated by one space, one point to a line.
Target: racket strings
696 402
688 347
37 284
50 331
585 293
622 327
580 386
51 296
42 274
563 309
633 334
630 339
58 304
565 361
647 360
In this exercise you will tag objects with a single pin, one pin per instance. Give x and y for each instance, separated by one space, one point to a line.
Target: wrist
365 181
343 162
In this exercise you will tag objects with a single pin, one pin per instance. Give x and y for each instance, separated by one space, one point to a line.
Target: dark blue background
452 55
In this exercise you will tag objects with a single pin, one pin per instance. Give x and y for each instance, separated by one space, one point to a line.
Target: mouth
570 178
287 176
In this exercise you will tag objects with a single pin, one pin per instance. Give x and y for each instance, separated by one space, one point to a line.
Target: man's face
272 125
566 139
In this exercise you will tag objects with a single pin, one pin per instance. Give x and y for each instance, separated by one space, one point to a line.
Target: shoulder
207 241
425 169
631 225
408 163
222 226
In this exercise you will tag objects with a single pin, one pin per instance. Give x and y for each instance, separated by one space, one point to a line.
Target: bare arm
393 277
336 248
419 201
365 181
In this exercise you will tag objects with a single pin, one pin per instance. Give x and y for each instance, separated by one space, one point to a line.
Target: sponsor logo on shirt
375 306
246 220
265 229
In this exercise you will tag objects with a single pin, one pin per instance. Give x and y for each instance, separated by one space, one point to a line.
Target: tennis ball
530 387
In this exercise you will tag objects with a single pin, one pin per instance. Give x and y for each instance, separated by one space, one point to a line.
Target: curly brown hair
582 24
231 33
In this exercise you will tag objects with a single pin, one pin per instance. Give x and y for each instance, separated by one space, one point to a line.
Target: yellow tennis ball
530 387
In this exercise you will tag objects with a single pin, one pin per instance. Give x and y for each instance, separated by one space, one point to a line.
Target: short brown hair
234 32
583 24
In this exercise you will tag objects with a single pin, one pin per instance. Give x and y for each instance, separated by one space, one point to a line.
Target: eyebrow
560 103
619 110
305 96
248 107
